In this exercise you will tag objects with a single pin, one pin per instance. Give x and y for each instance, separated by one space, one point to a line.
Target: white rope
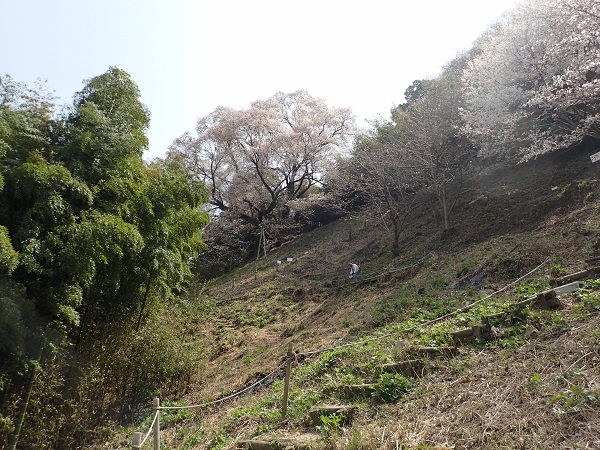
314 352
150 430
468 307
458 311
202 405
343 271
395 270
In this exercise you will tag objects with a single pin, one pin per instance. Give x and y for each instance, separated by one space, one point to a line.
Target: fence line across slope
432 321
315 352
235 394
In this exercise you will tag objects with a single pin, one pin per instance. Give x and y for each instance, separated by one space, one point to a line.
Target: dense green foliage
94 243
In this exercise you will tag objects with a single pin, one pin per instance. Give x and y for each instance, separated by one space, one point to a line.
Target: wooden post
156 430
286 386
137 441
259 243
262 240
23 409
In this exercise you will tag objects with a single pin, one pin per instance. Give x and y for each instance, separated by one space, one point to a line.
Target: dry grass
495 404
486 398
491 398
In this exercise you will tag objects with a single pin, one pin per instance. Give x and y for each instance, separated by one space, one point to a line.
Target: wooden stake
137 441
156 430
286 386
259 242
262 240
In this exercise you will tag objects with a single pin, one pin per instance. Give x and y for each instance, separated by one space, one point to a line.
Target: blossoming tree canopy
256 160
536 80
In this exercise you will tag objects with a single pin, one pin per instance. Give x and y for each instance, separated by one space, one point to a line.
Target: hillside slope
535 385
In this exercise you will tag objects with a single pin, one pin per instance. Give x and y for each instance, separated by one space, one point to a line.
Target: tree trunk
442 196
23 411
396 243
146 293
137 328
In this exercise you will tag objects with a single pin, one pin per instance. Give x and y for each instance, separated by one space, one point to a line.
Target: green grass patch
589 296
391 387
465 267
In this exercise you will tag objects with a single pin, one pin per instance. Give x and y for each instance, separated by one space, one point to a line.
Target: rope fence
138 442
382 274
343 272
231 396
430 322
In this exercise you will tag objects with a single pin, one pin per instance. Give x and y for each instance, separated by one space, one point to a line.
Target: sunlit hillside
533 384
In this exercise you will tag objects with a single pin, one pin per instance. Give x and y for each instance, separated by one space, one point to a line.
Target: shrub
572 399
590 295
391 387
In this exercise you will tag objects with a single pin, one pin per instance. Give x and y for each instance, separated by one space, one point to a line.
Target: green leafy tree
105 134
415 92
8 256
92 241
25 129
25 119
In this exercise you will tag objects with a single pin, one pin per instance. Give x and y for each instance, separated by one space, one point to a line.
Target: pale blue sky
190 56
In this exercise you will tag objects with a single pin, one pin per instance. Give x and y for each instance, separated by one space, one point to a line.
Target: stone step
282 444
588 273
469 335
545 300
568 288
358 390
592 260
411 369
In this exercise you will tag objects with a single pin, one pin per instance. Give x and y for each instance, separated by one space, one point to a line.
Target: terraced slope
506 369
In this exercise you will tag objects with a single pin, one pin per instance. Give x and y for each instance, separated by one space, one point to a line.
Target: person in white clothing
354 271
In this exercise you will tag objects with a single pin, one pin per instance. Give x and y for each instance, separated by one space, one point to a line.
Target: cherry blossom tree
386 175
568 105
434 142
256 160
533 84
